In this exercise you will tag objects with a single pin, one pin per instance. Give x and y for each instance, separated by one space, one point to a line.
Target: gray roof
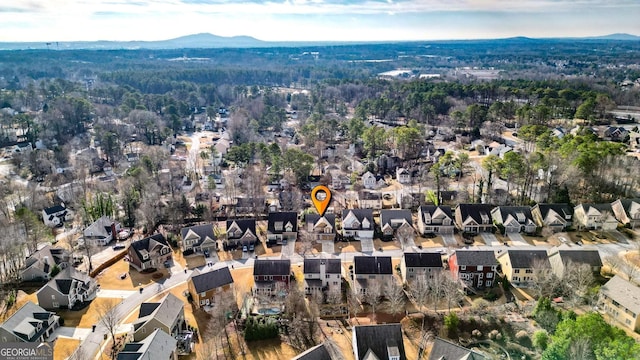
446 350
271 267
313 218
430 209
423 259
378 339
523 259
147 243
312 266
318 352
203 231
158 345
589 257
372 265
284 217
360 214
560 209
475 211
211 279
475 257
24 321
100 227
53 254
624 292
54 209
165 312
505 211
387 215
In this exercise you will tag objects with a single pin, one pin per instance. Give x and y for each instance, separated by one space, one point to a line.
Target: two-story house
595 217
520 266
38 266
149 253
627 211
158 345
369 270
515 219
322 275
445 350
369 200
67 289
271 277
382 341
393 220
166 315
358 223
473 218
101 231
30 323
241 232
56 215
321 228
250 206
434 219
620 299
282 227
475 268
562 259
199 239
369 180
418 265
205 288
403 176
557 217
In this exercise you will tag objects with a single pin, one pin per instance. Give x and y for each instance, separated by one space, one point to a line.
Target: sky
314 20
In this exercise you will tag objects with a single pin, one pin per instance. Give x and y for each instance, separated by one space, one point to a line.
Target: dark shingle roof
313 218
272 267
212 279
318 352
589 257
560 209
312 266
147 309
203 231
54 209
425 259
523 259
430 209
446 350
475 211
360 214
505 211
378 338
387 215
143 244
475 257
285 217
243 224
372 265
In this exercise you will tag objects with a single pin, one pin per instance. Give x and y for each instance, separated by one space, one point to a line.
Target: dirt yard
88 316
64 347
110 279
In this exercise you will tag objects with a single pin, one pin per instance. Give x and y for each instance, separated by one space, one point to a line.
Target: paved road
116 294
517 239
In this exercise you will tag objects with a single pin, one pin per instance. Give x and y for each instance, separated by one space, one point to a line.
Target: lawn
109 279
64 347
88 316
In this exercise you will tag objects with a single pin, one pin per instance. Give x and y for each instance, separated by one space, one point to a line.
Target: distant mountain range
206 40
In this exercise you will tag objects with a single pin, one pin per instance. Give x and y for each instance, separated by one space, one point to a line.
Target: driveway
328 247
69 332
289 249
618 236
449 239
490 239
517 239
367 245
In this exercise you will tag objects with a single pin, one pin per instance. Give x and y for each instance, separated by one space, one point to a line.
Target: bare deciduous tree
577 280
395 297
451 289
109 318
373 296
544 280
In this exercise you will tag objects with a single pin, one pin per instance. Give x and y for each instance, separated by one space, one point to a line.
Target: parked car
118 247
244 248
251 247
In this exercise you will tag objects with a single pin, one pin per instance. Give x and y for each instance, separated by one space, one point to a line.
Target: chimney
114 235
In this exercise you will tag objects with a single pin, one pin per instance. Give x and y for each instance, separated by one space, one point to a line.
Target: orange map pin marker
321 195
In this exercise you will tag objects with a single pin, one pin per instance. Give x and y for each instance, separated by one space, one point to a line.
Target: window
202 294
529 271
516 271
489 275
463 267
480 276
489 283
627 321
53 297
327 276
479 267
335 283
410 269
144 330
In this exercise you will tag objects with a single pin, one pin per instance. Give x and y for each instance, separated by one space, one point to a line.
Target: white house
368 180
357 223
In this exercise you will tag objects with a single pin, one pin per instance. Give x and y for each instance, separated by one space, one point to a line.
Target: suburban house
403 176
519 266
445 350
620 299
241 232
434 219
369 180
56 215
37 267
199 239
368 270
369 200
318 352
271 277
166 315
595 217
627 211
321 228
322 275
339 180
383 341
393 220
562 258
557 217
101 231
515 219
205 288
358 223
158 345
149 253
67 289
475 268
248 206
473 218
421 264
282 227
30 323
